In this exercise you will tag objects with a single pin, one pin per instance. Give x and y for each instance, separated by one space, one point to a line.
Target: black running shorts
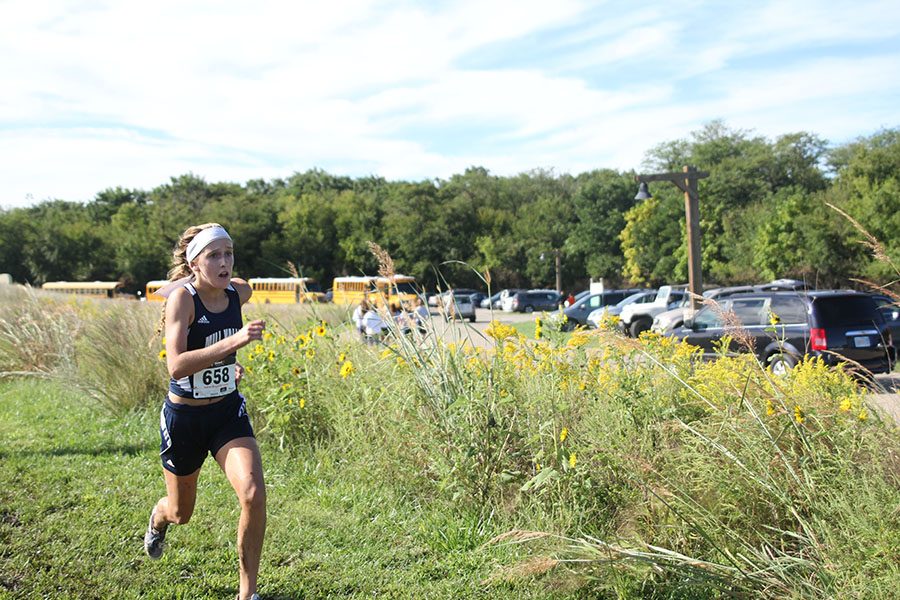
188 433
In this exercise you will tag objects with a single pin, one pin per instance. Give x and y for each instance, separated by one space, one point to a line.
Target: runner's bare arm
242 288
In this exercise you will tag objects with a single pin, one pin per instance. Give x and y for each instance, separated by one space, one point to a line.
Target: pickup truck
636 318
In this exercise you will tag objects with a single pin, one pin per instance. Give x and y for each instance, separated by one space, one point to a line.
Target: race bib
217 380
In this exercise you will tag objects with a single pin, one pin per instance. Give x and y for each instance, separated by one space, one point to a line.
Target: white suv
458 306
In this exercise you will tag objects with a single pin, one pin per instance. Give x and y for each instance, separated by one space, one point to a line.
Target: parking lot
887 400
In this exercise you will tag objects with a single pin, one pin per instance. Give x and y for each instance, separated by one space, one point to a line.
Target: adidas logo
203 320
170 463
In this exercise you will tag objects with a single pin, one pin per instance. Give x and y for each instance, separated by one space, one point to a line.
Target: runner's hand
252 331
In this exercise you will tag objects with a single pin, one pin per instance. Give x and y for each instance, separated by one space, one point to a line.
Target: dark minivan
838 326
535 300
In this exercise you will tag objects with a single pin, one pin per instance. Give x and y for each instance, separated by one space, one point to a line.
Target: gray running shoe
153 539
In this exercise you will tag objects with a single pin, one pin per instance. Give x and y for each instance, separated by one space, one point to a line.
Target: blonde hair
180 267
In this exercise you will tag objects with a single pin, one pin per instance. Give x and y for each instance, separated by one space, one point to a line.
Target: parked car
667 322
597 315
890 310
638 318
458 306
477 298
835 325
531 301
577 313
506 297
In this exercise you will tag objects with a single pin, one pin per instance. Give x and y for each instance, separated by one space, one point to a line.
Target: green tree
600 202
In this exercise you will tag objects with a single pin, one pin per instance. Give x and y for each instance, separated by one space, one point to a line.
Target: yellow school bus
285 290
399 289
351 290
95 289
153 286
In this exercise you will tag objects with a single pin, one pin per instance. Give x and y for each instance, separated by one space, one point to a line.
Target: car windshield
632 299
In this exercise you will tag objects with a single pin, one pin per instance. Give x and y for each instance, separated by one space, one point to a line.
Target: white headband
204 239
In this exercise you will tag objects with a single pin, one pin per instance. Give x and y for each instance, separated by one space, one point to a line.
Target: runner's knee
253 496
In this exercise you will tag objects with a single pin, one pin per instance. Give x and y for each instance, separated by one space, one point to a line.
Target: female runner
203 411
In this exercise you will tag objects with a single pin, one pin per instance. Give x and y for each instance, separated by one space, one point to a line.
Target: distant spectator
421 315
373 325
570 300
358 315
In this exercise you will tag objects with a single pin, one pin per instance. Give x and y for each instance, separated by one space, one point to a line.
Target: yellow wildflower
863 415
280 340
302 402
346 369
162 354
267 336
563 434
537 467
798 414
285 386
310 352
774 319
537 331
386 353
500 331
846 403
320 330
271 356
770 408
164 341
295 371
342 357
572 460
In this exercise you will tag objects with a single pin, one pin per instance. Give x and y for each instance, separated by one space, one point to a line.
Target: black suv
835 325
535 300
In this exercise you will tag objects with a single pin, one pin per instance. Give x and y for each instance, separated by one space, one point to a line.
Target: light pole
558 265
687 183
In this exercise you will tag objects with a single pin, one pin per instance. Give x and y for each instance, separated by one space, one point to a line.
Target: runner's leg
178 504
242 464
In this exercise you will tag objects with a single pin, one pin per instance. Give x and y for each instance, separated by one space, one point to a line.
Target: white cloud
103 94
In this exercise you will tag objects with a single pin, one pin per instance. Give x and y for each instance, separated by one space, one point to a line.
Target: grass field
76 486
559 465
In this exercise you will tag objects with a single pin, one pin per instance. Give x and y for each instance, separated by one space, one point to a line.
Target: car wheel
639 327
781 364
529 309
472 319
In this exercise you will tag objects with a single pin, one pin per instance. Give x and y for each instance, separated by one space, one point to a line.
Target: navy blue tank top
207 329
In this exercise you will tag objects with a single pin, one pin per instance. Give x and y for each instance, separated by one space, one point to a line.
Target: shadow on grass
102 450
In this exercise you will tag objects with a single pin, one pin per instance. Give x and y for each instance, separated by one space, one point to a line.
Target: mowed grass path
76 487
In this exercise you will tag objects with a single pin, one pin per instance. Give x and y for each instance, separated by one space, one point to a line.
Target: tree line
764 214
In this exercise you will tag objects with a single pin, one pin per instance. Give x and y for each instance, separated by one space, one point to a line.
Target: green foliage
654 470
322 223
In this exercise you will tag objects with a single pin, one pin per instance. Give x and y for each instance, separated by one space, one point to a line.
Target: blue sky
101 94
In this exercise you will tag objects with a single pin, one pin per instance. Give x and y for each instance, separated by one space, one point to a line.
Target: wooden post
557 252
687 183
692 218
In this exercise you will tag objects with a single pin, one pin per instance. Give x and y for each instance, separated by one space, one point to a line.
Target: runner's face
215 264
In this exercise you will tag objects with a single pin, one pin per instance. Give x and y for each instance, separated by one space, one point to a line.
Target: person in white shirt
373 325
358 315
